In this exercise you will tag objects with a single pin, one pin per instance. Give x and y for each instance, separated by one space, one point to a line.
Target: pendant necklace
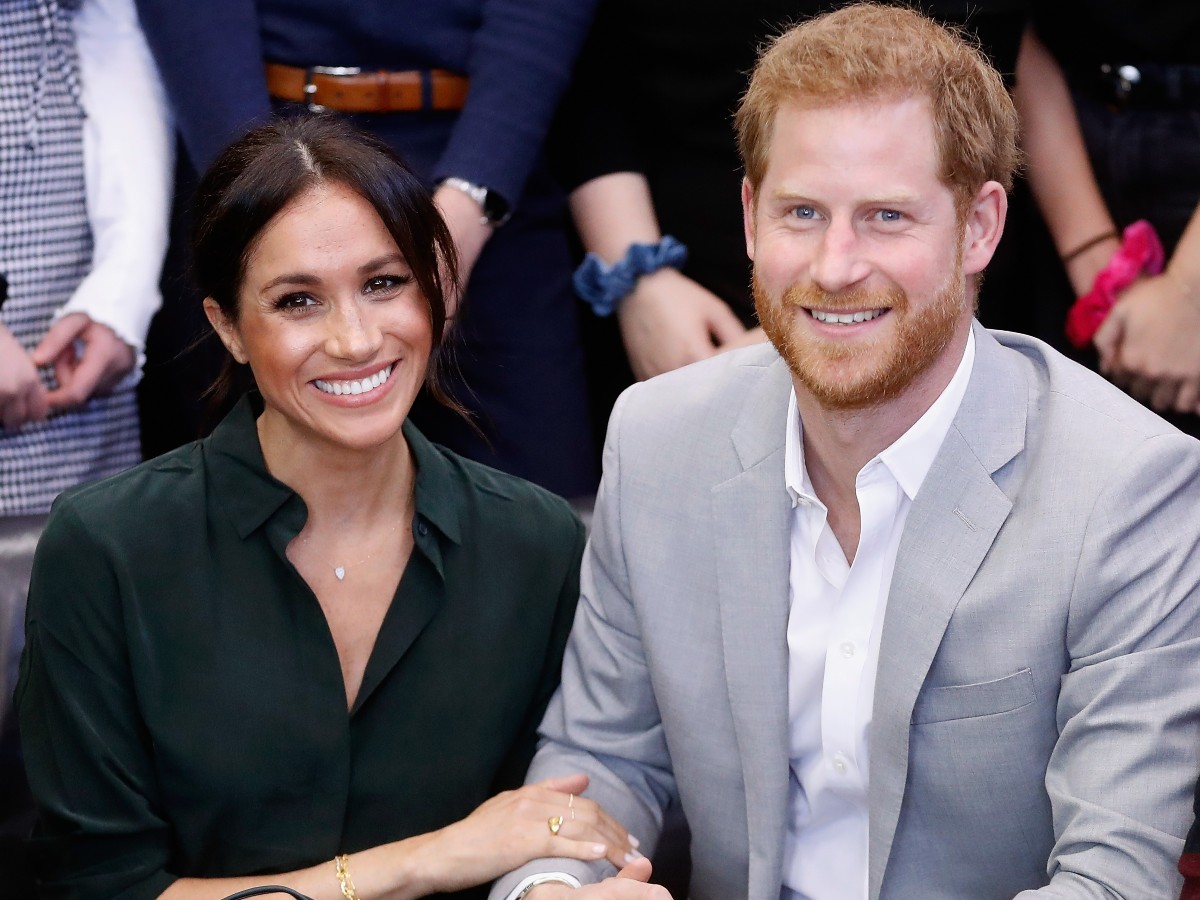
340 570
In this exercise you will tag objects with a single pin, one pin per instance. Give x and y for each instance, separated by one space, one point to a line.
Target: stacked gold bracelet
345 882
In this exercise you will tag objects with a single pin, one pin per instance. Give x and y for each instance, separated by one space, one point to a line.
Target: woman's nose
352 334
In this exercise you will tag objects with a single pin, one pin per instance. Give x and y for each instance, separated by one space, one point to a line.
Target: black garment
1085 32
182 706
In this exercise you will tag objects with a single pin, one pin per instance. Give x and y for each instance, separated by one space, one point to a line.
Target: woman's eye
385 283
295 301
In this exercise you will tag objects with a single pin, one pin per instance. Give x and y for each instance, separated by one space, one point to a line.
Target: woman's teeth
362 386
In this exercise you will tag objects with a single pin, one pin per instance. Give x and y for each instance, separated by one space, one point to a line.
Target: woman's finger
620 853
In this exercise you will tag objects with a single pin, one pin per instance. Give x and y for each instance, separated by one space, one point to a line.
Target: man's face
858 252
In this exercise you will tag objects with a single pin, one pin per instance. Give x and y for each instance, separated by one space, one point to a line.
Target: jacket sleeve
1122 771
210 57
519 65
101 833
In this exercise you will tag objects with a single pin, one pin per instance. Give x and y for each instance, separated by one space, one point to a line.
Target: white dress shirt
835 619
128 147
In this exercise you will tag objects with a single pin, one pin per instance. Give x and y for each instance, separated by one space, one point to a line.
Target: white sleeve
128 150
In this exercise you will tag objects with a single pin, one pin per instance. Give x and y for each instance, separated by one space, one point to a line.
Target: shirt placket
845 690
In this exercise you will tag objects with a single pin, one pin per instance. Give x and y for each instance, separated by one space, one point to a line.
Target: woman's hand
22 397
1148 344
669 321
512 828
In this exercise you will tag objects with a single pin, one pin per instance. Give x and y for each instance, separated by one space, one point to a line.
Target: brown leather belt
352 90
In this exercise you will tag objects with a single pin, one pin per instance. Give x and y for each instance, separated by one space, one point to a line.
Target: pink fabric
1141 251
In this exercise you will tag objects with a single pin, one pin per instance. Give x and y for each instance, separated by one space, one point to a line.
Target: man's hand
1150 344
669 321
629 884
22 396
105 360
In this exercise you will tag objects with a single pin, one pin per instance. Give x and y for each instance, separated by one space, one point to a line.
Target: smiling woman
313 633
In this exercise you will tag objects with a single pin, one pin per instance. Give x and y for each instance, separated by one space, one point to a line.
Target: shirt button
422 528
839 764
848 649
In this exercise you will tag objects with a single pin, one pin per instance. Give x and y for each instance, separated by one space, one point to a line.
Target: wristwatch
496 210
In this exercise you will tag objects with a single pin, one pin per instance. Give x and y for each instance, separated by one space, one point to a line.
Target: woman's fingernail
634 841
632 855
599 849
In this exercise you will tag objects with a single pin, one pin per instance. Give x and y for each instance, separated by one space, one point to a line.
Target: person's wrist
1140 253
1083 268
412 863
1186 287
604 286
646 290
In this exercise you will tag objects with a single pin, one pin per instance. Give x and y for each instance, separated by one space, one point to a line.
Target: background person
1130 74
313 633
471 90
85 168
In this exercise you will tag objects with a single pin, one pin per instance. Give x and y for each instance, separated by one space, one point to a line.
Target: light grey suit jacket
1036 722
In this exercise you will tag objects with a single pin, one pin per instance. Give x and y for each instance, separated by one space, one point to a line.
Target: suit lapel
751 537
951 526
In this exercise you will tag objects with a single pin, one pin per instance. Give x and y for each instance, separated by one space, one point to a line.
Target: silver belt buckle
310 89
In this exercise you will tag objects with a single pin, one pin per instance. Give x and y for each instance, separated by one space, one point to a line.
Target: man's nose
353 335
839 262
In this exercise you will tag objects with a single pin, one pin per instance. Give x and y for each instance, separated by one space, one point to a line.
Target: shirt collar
251 495
909 458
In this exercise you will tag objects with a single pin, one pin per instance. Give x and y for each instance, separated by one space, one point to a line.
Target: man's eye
804 212
890 215
385 283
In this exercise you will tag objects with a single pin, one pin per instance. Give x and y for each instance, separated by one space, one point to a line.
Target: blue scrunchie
604 286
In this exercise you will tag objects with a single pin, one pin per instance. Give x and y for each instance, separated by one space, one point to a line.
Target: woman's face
331 323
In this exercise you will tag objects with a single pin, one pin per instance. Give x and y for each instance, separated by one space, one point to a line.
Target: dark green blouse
181 703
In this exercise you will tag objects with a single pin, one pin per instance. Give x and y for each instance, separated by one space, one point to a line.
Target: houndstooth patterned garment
45 251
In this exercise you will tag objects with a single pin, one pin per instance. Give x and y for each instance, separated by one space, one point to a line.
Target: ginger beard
861 372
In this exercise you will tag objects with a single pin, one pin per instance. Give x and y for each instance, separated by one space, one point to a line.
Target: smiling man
896 607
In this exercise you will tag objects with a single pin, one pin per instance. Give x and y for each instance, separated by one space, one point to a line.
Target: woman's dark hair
257 176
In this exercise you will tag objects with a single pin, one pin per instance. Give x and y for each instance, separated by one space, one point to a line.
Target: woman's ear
225 329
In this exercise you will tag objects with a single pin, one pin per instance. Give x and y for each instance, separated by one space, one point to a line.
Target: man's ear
983 227
748 215
225 330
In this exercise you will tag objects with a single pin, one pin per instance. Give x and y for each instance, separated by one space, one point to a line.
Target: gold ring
555 823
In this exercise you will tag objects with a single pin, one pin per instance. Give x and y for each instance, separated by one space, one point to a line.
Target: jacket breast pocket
967 701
